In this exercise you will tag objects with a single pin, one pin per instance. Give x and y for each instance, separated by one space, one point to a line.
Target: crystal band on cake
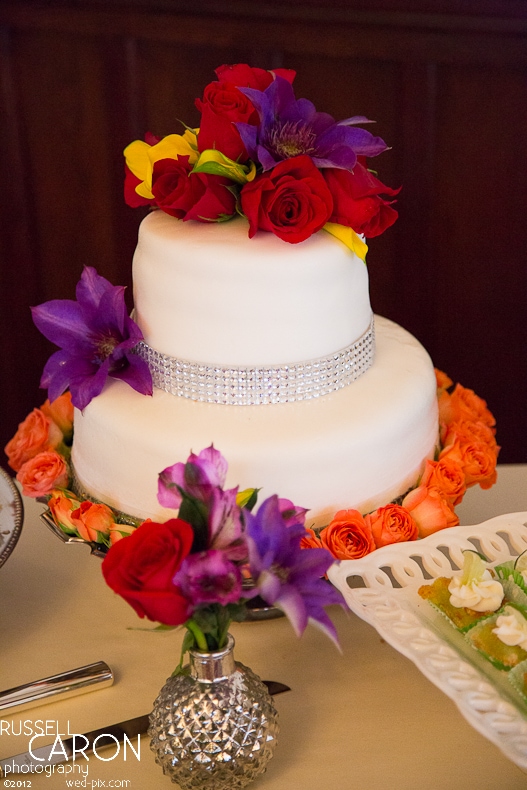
252 386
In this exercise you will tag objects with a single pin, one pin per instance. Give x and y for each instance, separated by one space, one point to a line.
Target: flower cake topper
262 153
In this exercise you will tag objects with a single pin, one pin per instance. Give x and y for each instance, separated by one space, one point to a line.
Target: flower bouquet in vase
214 723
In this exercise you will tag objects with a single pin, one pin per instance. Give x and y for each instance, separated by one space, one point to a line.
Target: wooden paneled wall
446 82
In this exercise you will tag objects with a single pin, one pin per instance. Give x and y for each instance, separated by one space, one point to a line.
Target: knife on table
31 762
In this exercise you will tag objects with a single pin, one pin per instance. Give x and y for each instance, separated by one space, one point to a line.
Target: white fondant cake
208 294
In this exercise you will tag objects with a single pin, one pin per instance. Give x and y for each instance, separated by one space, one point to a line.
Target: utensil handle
56 687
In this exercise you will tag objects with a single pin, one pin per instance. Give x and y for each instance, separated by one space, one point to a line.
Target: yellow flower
243 498
349 238
141 157
217 164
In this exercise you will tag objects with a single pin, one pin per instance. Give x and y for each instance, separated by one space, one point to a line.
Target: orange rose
477 460
467 432
430 510
62 506
391 524
60 412
120 531
348 537
310 541
464 404
41 474
442 380
448 476
34 435
92 520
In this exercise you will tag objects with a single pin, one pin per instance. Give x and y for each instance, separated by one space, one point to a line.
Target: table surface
365 717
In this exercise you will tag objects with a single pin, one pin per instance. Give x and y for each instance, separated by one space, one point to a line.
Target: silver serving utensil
56 687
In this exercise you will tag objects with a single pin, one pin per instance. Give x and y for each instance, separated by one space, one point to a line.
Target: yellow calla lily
141 157
214 162
349 238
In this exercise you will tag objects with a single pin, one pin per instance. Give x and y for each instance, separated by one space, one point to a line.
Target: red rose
221 107
292 200
246 76
187 195
141 569
356 200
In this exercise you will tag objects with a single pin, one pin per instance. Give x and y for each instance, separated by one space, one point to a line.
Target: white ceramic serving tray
381 588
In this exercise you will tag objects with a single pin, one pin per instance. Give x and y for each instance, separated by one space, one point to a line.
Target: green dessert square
503 656
438 595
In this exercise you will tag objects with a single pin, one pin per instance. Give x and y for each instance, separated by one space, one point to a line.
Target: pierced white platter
388 600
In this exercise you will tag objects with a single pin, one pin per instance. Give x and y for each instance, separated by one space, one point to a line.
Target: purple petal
212 463
209 577
84 389
137 374
91 287
61 321
291 603
355 120
111 312
360 140
60 369
264 157
170 480
249 136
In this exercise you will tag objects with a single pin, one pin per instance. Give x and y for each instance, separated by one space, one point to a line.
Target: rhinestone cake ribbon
253 386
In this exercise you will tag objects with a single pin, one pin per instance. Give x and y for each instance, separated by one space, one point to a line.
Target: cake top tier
209 294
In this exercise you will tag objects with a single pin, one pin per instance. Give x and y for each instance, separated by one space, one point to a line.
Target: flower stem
198 635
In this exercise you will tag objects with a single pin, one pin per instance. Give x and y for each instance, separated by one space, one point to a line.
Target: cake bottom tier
359 447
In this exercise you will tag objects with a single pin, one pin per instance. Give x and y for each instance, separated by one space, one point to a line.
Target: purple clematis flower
96 337
287 576
291 127
209 577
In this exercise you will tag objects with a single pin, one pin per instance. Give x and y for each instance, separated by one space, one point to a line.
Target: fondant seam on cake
265 384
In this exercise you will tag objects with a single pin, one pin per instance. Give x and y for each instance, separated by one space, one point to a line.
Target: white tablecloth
365 718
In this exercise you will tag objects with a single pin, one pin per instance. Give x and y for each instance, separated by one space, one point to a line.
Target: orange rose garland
35 434
448 476
61 506
477 460
464 404
467 455
348 537
430 510
92 521
391 524
41 474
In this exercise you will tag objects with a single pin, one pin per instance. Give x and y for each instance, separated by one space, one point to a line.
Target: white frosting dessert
209 295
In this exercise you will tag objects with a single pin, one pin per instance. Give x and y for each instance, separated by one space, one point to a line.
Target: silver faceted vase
214 726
